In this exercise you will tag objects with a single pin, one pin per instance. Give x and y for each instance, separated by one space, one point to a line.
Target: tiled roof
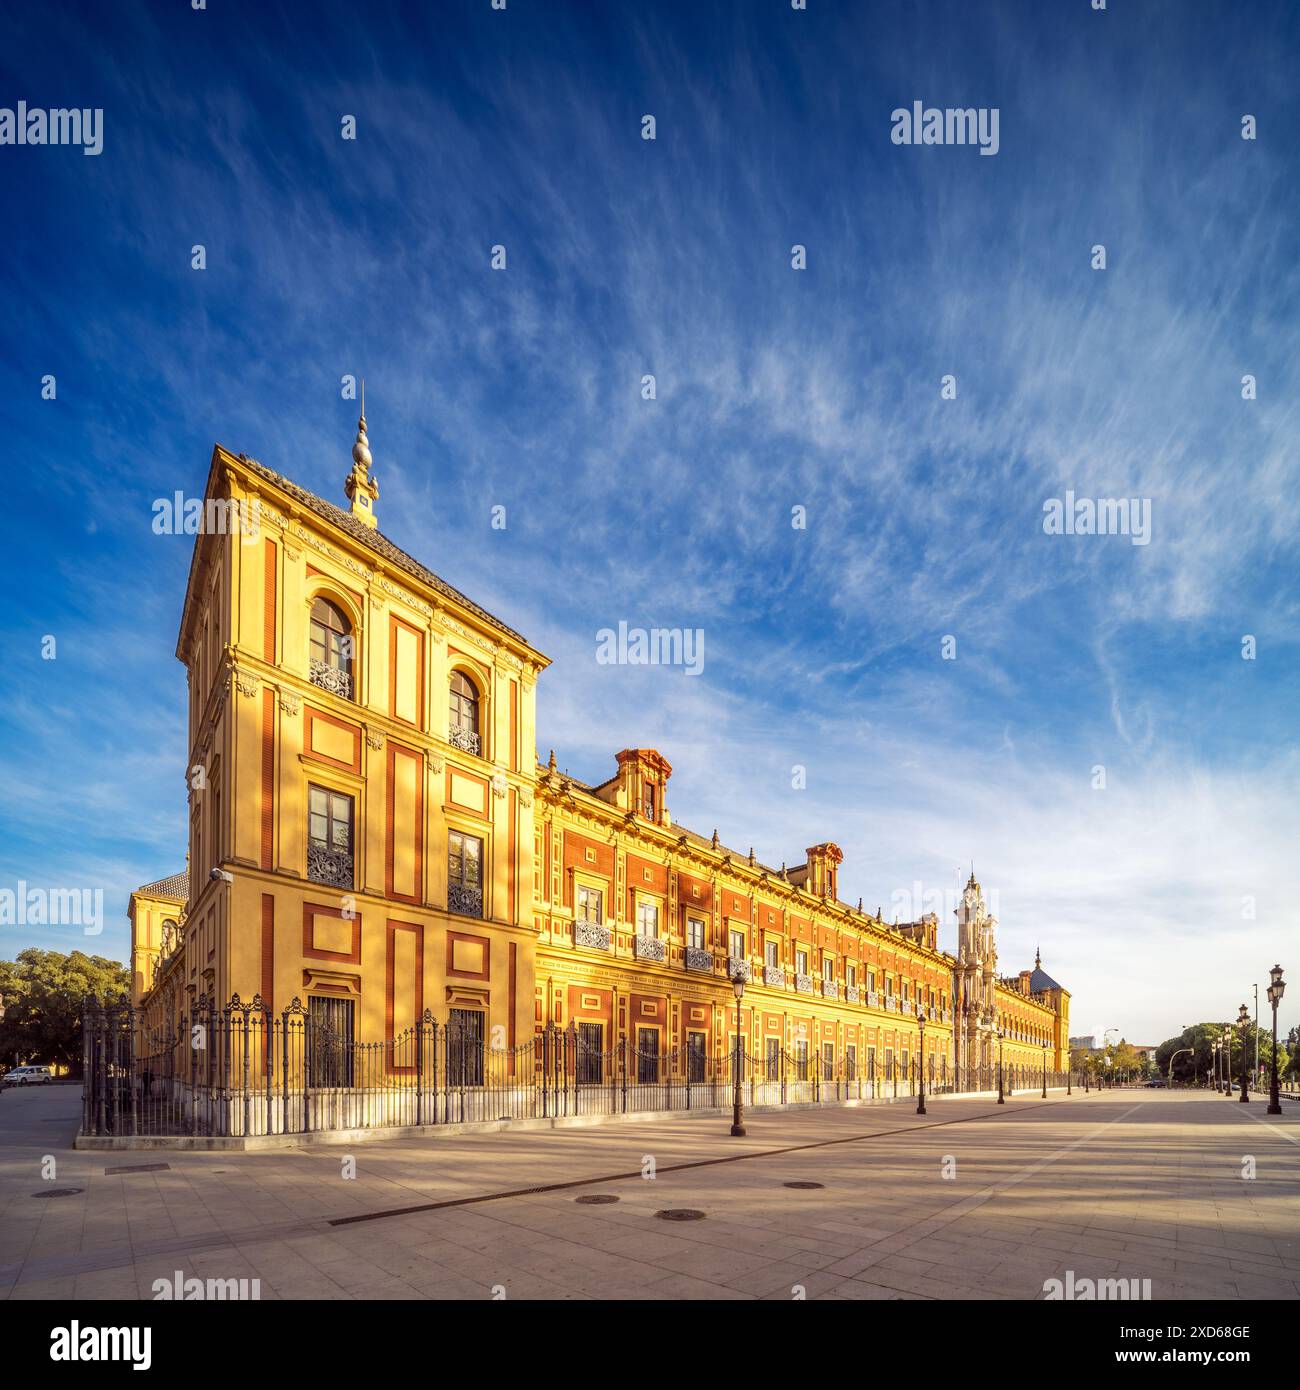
1041 980
175 886
374 540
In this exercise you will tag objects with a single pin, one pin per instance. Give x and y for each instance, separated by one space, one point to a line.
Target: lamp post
1214 1059
1243 1020
1179 1053
1227 1060
1002 1100
737 1105
1276 988
920 1104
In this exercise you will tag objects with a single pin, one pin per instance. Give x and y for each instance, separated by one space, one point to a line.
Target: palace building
371 832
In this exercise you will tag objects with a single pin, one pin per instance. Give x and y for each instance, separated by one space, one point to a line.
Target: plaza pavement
1118 1184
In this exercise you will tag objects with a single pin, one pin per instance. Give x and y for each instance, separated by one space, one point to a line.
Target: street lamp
1002 1100
737 1107
1227 1060
920 1104
1214 1060
1243 1020
1179 1053
1276 989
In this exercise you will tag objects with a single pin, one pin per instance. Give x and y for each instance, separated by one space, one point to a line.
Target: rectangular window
907 1064
649 802
590 903
737 939
850 974
906 989
828 969
329 837
465 1047
801 962
647 1056
464 874
851 1062
871 981
828 1061
889 1064
591 1046
329 1041
801 1059
871 1064
772 1058
695 932
647 919
695 1056
772 953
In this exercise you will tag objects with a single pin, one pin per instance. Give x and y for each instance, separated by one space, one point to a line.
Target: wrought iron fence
241 1069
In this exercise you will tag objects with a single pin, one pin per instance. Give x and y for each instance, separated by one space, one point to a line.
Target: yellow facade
369 823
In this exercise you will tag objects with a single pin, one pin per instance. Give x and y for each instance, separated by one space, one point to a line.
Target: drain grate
804 1186
60 1192
596 1199
680 1214
138 1168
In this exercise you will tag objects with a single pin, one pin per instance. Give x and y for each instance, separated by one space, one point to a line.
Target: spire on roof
361 489
1038 959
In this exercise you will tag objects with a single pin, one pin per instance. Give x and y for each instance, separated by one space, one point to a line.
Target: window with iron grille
695 1056
828 1061
851 1063
465 1047
871 1064
889 1064
591 1047
462 714
801 1059
591 903
772 1058
330 663
329 837
329 1041
647 918
464 874
907 1064
647 1056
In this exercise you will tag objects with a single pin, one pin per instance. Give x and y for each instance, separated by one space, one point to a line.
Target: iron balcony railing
697 958
830 990
327 677
774 976
326 865
591 934
803 983
467 740
651 948
851 994
736 966
465 900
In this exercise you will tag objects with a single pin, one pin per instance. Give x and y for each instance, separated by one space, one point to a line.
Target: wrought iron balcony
830 990
736 966
464 900
651 948
697 958
326 865
773 975
891 1004
804 984
331 678
591 934
873 999
464 739
852 994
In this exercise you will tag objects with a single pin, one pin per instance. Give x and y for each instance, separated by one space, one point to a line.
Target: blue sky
775 388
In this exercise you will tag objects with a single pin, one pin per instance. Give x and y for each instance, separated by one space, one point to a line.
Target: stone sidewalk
974 1200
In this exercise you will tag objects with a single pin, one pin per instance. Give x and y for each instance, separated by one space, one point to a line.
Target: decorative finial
859 904
551 763
715 839
1038 959
361 489
751 856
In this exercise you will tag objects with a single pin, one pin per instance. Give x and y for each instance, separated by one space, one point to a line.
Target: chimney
641 784
823 869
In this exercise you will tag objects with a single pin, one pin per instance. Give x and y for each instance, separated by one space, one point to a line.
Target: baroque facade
372 832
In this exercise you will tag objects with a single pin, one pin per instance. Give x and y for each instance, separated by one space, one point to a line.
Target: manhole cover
596 1199
139 1168
804 1185
680 1214
60 1192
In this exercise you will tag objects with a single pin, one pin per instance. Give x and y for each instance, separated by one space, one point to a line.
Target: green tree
43 993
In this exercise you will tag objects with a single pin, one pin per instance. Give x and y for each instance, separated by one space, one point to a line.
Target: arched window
330 664
462 715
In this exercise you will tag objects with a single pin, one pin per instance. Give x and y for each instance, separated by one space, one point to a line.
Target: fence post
622 1062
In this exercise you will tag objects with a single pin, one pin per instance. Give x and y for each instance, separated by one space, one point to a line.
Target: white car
28 1076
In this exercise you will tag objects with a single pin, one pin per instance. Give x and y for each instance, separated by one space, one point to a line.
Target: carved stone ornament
290 703
525 796
245 681
435 761
499 784
374 738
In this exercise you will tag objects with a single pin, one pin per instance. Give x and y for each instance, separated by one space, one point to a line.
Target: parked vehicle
28 1076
